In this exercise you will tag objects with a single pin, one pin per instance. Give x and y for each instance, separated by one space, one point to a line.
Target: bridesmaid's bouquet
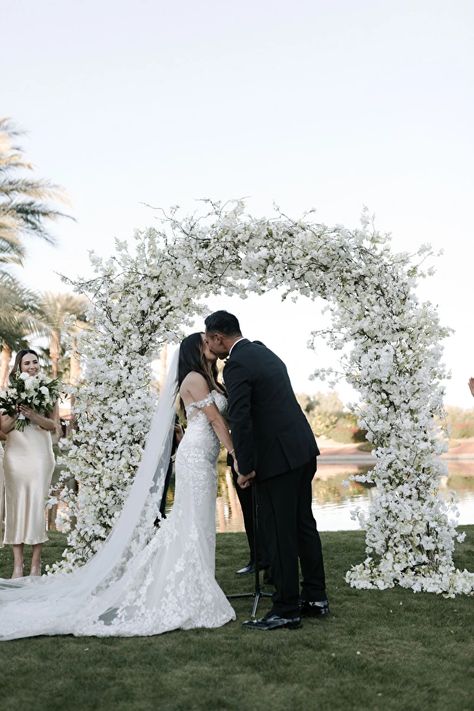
34 391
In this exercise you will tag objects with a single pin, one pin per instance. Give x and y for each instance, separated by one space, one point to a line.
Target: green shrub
460 422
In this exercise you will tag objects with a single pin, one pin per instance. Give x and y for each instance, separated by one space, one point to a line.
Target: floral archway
147 296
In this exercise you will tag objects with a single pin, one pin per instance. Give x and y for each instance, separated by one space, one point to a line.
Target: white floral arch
144 298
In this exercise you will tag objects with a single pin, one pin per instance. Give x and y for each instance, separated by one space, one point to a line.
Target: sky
307 103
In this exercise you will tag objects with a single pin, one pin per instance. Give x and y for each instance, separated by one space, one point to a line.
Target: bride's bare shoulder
195 385
194 378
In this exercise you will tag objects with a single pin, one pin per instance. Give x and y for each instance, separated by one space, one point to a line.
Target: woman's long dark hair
19 357
192 360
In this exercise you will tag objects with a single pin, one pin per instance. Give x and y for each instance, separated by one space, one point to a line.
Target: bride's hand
245 481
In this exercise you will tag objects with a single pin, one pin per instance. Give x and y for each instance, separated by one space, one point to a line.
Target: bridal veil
35 606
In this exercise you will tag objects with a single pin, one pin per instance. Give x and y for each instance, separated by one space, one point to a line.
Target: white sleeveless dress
170 583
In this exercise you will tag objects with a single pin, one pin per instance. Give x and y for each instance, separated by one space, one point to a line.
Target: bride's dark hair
192 360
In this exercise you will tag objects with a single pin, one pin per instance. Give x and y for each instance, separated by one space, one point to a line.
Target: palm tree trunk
74 363
74 376
55 351
5 358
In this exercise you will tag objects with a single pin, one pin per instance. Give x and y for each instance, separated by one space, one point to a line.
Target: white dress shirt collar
242 338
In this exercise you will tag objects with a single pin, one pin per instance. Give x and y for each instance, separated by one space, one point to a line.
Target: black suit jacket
270 433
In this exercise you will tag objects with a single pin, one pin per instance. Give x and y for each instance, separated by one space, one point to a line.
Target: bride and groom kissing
146 581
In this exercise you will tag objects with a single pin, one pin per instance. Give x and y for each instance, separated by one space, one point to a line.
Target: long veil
36 606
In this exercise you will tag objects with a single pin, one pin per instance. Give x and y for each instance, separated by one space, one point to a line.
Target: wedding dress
143 581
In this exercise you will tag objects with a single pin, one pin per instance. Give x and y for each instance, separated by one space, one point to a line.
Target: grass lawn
377 650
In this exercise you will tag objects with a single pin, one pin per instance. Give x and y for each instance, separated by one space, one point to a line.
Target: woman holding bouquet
28 468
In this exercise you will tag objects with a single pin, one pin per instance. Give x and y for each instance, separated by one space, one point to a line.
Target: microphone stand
257 592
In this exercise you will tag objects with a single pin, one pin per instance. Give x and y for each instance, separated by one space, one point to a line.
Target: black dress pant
245 500
166 486
291 534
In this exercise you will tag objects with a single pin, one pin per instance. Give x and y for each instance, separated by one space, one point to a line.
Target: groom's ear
211 336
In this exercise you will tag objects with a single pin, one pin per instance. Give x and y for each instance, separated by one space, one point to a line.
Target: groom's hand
245 481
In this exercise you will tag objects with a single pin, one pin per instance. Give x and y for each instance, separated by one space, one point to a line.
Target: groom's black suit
272 437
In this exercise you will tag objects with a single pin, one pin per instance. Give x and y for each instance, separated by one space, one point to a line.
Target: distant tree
322 410
24 210
18 319
460 422
24 201
327 417
54 312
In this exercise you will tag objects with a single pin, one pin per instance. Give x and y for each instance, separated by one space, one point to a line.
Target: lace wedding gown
156 583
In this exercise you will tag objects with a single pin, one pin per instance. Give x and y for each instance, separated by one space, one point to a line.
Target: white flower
30 382
146 295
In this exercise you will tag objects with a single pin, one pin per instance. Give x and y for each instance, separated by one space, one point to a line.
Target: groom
275 446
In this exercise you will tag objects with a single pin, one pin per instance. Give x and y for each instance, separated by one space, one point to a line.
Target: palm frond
10 252
55 308
37 189
19 313
29 216
24 201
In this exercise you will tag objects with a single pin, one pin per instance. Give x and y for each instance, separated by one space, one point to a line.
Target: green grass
377 650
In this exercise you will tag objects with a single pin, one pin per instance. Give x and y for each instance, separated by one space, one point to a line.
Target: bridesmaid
28 465
2 487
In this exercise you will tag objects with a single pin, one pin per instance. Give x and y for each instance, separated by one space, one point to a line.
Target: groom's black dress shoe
250 568
273 622
246 570
312 608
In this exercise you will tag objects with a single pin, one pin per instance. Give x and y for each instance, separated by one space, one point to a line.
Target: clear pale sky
332 104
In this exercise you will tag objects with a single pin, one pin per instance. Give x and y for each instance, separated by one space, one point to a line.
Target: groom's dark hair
223 322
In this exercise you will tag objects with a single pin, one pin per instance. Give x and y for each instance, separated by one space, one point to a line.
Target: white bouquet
34 391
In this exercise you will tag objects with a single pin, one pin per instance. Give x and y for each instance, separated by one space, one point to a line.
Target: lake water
333 501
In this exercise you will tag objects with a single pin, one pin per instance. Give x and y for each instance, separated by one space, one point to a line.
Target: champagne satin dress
28 465
2 496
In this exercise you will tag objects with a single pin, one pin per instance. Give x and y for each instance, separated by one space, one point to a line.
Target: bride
145 581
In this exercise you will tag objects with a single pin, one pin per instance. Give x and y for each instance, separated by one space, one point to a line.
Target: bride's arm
195 389
220 427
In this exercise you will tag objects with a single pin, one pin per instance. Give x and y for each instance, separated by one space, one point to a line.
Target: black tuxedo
272 437
270 433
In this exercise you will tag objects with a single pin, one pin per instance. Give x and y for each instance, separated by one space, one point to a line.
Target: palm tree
54 310
27 314
18 319
24 207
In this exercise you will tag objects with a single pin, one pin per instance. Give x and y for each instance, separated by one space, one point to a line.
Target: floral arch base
146 296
